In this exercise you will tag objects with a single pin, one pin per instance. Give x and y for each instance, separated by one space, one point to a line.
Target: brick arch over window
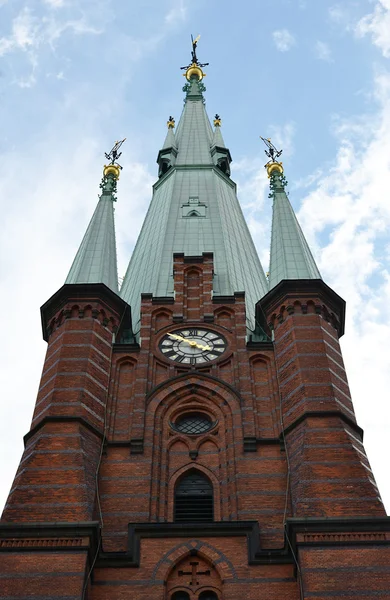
194 548
265 396
207 395
161 318
196 575
224 317
121 400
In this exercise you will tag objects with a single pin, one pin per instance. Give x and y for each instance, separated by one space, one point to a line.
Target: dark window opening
208 595
194 499
180 596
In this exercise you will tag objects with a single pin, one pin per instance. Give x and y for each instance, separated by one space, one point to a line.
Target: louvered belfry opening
194 499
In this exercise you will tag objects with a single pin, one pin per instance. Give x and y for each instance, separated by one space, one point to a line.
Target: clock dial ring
192 345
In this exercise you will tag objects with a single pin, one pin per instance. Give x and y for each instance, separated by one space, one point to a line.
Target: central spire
194 210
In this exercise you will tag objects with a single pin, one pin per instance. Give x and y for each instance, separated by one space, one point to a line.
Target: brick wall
284 445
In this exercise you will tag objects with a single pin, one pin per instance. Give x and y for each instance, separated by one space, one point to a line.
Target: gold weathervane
113 168
273 165
194 70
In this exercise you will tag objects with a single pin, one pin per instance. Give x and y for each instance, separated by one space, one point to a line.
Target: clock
192 346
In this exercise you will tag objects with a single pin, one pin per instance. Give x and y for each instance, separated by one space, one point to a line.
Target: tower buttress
306 318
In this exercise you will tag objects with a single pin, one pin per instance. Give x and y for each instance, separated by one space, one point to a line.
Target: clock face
192 346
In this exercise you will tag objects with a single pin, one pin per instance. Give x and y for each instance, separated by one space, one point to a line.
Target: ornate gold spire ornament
273 165
194 69
170 122
113 168
217 121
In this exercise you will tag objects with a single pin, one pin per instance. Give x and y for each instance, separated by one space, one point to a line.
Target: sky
314 75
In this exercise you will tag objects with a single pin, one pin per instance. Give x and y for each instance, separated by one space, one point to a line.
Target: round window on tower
193 423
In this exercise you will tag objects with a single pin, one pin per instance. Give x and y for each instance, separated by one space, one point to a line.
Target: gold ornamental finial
217 121
112 170
274 167
171 122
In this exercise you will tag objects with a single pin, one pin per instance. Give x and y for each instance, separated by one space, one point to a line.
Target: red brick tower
201 445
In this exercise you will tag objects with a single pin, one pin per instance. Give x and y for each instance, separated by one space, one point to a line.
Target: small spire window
194 499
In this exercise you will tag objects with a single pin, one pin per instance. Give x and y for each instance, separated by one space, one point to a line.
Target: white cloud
24 33
28 32
55 3
177 14
283 39
323 52
377 24
337 13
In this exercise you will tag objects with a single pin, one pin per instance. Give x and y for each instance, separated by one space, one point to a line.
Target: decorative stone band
360 537
338 531
37 544
68 537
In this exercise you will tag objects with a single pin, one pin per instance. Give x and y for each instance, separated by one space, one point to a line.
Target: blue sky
75 75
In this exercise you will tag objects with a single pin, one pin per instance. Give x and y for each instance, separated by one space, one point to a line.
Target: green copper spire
95 261
194 209
290 254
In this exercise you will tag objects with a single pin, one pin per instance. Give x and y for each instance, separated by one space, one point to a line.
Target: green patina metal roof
170 141
290 254
217 138
95 261
194 209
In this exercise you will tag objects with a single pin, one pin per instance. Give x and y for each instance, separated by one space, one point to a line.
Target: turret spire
96 261
291 257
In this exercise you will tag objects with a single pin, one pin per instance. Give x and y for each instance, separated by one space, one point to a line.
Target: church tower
194 436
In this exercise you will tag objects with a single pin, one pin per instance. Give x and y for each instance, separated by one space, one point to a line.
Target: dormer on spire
167 155
96 260
219 152
291 257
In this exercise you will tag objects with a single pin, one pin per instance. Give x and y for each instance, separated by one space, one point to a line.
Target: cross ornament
194 573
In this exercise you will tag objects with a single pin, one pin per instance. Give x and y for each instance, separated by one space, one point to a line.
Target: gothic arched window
208 595
194 499
180 596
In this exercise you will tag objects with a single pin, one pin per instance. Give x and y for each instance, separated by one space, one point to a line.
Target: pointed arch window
194 499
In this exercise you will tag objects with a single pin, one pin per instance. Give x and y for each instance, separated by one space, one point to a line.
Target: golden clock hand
177 337
182 339
203 347
190 342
